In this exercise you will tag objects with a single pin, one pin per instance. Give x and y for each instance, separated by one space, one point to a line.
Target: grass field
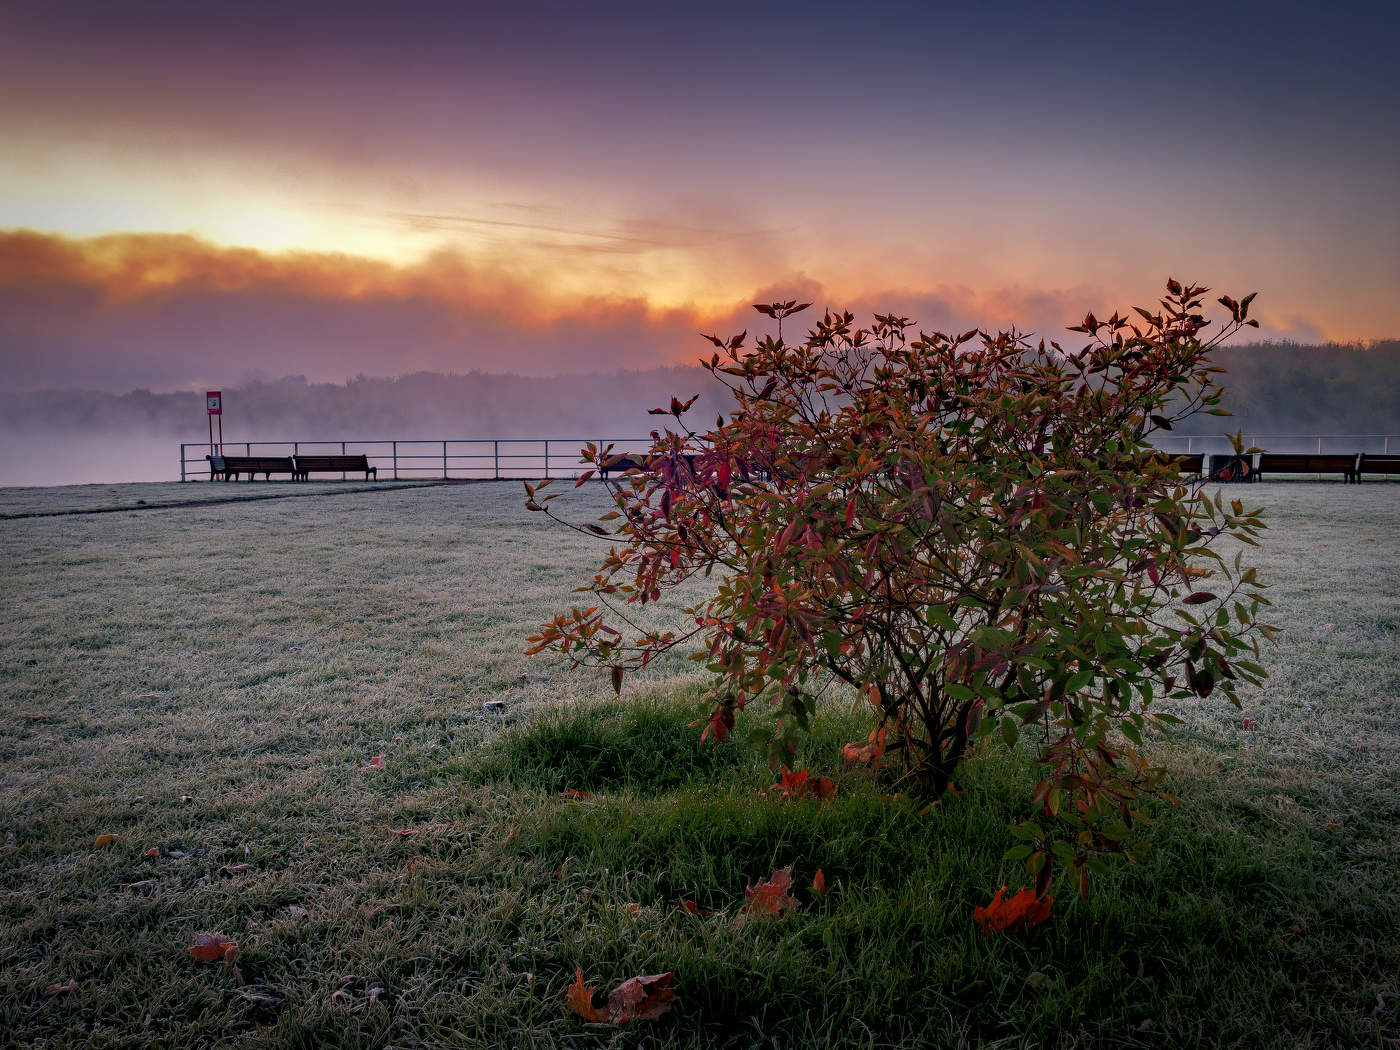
207 682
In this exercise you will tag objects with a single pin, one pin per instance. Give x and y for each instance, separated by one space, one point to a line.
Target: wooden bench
1347 464
1378 463
332 465
230 467
1188 463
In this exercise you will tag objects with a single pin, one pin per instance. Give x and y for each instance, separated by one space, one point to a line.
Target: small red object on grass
1006 916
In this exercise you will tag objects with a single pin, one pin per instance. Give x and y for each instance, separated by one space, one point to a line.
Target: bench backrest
277 463
360 462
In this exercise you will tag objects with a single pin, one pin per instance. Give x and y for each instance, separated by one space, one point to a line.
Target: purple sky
192 194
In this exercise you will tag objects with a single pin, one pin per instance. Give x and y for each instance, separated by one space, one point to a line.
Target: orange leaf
768 898
819 882
211 947
104 840
576 794
403 833
580 1000
61 989
1005 916
822 788
153 852
641 998
377 762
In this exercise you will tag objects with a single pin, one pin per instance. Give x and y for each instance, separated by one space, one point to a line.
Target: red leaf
377 762
819 882
575 794
769 898
1006 916
850 512
61 989
213 947
1198 598
580 1000
641 998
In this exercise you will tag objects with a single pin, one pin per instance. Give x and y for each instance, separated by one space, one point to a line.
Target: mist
72 436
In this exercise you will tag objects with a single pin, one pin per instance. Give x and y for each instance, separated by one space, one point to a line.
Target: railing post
396 460
182 464
1188 444
546 458
496 458
444 461
1319 446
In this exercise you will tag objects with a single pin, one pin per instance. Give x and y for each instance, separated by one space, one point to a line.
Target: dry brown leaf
213 947
402 833
104 840
641 998
61 989
152 852
377 762
230 870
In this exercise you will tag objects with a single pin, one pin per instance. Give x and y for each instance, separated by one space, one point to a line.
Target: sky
198 195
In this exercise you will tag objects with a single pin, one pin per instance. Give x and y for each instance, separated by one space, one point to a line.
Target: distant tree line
1271 388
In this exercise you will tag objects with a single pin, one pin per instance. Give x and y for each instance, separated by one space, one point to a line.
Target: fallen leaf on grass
800 784
295 912
61 989
636 999
576 794
213 947
228 871
819 882
580 1000
377 762
104 840
695 909
140 885
152 852
1022 910
641 998
402 833
769 898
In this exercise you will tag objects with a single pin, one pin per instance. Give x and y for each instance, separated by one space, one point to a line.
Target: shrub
972 533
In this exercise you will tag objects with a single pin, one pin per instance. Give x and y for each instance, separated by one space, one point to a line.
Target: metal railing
1291 443
446 459
498 458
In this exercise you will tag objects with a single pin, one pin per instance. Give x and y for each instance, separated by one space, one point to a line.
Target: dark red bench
1347 464
333 465
1379 463
230 467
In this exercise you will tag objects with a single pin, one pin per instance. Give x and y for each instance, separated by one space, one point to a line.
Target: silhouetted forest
1272 389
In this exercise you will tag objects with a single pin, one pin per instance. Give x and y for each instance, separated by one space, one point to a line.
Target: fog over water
57 437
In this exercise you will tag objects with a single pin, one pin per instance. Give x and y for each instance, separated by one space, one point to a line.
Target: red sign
214 400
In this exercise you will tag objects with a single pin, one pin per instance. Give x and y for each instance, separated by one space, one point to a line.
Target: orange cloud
164 310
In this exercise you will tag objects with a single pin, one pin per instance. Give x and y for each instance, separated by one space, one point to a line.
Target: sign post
214 402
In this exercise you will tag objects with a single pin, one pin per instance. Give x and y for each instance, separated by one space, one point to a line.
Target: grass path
208 683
